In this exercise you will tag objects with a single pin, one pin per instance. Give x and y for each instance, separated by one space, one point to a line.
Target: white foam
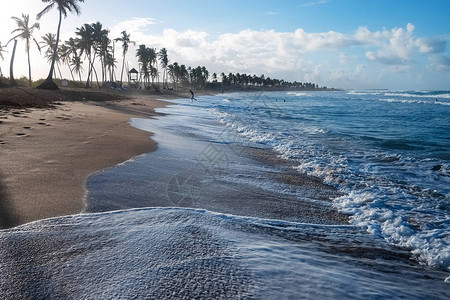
368 209
394 100
300 94
363 93
190 253
408 95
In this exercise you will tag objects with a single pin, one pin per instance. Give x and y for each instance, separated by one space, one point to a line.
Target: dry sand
47 154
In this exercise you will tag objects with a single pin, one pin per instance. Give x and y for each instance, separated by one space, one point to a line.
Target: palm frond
45 10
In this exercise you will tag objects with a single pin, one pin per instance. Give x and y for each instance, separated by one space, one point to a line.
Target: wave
420 95
363 93
300 94
395 100
368 209
339 171
194 253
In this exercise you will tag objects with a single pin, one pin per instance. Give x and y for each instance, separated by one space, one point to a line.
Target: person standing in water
192 95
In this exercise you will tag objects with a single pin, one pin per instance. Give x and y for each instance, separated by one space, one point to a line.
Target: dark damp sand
47 154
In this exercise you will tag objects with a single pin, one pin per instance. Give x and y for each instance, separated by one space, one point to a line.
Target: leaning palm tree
125 39
63 7
1 56
1 51
25 31
12 81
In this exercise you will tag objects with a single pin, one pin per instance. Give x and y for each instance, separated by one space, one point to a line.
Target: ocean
289 195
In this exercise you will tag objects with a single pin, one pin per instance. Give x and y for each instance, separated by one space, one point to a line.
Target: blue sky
400 44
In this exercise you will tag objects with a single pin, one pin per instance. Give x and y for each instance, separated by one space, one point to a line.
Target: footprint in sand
21 134
26 127
42 119
42 123
2 143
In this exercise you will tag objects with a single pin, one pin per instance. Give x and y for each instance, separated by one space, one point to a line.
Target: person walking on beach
192 95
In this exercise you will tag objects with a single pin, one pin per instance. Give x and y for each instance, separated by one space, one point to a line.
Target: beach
47 153
239 195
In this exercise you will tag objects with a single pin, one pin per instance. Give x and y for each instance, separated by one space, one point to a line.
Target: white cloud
431 45
273 52
345 58
297 55
314 3
132 25
441 62
395 47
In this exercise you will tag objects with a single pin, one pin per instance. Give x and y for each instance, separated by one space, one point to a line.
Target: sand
46 155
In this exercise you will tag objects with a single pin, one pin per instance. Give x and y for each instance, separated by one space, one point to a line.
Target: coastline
47 154
240 221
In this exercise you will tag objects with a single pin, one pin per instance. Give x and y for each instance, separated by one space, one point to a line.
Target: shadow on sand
7 219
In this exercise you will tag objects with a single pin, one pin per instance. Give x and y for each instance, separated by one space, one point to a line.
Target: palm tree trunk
59 71
92 68
103 70
48 84
29 68
89 71
123 66
12 81
71 73
96 77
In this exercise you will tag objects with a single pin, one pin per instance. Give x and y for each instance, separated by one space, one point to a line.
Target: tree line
93 44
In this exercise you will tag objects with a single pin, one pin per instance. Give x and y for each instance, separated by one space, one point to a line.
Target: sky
350 44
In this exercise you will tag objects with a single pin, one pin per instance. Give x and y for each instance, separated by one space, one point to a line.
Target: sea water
385 153
388 152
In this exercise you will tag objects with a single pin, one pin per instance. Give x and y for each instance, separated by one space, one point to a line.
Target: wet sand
47 154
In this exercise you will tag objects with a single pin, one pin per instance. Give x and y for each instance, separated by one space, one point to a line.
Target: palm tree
1 51
125 39
85 43
1 56
12 81
25 31
162 54
64 52
49 42
142 54
171 73
110 63
71 51
77 65
63 7
151 54
100 45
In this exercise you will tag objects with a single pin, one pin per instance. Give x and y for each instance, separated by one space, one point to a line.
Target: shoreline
47 154
39 180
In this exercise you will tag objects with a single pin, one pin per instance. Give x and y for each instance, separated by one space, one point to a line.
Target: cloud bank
334 57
